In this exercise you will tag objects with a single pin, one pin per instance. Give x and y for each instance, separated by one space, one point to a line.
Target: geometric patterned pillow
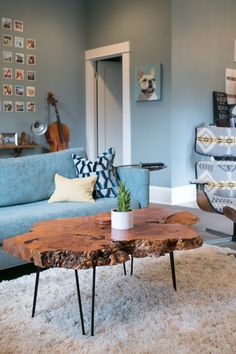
107 181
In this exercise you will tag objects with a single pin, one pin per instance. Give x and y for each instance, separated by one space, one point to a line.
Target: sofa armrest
137 181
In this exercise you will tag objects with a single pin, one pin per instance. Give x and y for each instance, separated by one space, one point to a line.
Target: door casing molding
91 56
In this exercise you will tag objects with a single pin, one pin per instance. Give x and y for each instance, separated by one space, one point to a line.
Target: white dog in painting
148 85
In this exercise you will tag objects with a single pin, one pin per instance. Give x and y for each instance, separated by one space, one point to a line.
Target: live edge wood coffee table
88 242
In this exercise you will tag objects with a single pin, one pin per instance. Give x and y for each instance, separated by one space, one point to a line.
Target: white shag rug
138 314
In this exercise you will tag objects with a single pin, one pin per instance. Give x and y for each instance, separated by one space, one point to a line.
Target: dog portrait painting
148 82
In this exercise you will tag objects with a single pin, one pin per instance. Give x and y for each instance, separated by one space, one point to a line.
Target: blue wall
146 24
203 34
59 28
193 39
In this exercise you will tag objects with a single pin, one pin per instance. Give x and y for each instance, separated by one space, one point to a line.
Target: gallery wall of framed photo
18 68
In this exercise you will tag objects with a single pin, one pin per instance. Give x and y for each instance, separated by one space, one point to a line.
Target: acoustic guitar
57 134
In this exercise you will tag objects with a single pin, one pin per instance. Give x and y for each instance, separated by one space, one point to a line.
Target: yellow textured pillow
73 189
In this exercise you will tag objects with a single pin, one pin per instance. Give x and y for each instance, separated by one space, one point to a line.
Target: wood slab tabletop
83 242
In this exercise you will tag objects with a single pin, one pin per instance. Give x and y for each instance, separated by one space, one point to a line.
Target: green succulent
123 198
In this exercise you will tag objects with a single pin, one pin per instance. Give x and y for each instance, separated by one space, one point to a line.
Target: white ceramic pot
122 220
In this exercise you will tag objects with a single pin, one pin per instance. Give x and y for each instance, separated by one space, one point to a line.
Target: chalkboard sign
220 109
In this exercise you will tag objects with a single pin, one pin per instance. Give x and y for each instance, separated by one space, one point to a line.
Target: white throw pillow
73 189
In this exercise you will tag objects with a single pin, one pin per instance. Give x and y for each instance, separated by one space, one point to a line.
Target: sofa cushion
73 189
102 167
18 219
29 179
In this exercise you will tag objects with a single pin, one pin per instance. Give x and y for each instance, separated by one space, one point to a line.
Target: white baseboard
172 196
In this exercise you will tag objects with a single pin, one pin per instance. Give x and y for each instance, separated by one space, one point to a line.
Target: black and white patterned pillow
107 182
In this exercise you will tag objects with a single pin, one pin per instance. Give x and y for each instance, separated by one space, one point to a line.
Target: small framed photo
19 90
19 58
7 90
19 106
7 73
31 107
30 91
30 43
7 57
19 42
19 74
30 75
8 106
8 139
6 23
31 59
7 40
18 26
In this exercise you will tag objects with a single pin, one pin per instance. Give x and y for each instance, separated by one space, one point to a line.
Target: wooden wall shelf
19 148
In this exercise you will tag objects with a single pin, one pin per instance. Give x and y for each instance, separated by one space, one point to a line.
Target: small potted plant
122 217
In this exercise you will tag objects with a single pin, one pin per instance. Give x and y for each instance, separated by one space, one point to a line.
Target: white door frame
91 56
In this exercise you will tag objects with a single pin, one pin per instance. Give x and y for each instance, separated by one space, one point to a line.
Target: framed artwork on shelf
8 139
147 82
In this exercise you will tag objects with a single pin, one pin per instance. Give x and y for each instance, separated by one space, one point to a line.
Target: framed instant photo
18 26
7 106
30 75
19 58
8 139
7 90
31 59
19 42
7 57
7 40
19 90
19 106
31 107
30 91
6 23
30 43
7 73
19 74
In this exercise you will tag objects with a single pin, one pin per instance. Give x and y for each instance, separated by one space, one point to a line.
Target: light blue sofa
26 183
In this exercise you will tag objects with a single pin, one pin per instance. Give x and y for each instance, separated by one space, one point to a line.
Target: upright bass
57 134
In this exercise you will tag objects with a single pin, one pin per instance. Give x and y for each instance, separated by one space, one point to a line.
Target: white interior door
109 109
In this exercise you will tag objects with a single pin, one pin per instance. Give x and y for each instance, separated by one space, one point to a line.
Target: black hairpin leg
132 265
79 300
35 290
93 301
124 268
172 263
